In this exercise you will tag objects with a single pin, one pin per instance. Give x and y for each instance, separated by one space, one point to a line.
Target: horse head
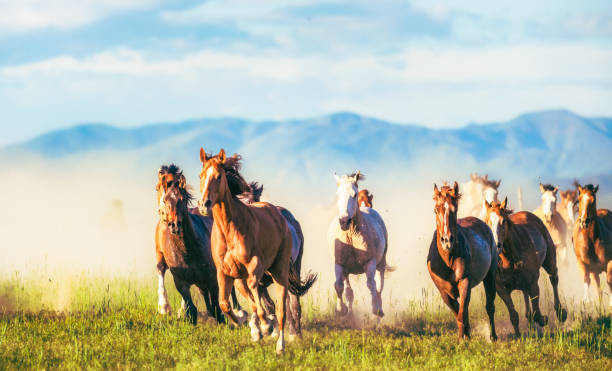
346 193
174 198
587 205
569 201
497 220
446 206
549 200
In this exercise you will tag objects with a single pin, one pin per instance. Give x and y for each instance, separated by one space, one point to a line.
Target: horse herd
232 240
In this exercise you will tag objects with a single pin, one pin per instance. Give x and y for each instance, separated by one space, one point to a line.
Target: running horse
248 241
593 240
547 212
568 208
475 192
182 244
462 254
294 310
358 242
524 246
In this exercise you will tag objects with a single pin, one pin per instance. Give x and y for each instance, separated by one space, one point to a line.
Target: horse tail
298 287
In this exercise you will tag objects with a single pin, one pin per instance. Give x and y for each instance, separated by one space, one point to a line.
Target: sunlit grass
98 321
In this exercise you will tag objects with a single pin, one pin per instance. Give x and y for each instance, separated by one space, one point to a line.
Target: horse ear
203 156
222 155
541 188
160 176
337 178
436 191
580 189
473 177
504 203
497 184
596 189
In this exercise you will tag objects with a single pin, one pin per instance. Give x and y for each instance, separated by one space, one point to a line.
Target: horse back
297 236
476 236
530 235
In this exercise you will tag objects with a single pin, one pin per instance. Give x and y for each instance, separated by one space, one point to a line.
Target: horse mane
254 194
236 183
548 187
589 187
178 173
445 190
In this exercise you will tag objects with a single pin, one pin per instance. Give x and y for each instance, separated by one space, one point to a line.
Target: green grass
110 322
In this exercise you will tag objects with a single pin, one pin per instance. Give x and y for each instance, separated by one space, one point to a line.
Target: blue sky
436 63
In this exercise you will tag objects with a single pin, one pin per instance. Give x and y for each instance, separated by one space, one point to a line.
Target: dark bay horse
182 244
248 241
461 255
593 240
524 246
294 312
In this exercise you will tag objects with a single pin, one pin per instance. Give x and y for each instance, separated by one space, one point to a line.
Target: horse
294 312
524 246
182 243
248 240
568 208
358 242
547 212
475 192
593 240
462 254
365 198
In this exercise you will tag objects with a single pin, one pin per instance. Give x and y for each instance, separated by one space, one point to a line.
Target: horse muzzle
345 222
175 228
584 222
447 242
204 207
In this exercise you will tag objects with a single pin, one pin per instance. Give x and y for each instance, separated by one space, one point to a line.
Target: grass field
111 322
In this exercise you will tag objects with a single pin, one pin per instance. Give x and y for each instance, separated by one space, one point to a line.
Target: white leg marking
370 272
162 296
254 325
280 343
339 286
585 298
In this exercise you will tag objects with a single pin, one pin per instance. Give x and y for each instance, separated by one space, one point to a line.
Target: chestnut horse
358 242
247 241
475 192
294 312
462 254
524 246
593 240
365 198
182 243
547 212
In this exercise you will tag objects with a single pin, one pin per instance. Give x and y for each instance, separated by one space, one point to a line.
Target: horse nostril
207 203
451 239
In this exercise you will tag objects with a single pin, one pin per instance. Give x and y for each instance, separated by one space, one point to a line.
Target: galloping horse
547 212
358 242
568 208
593 240
182 243
524 246
475 192
462 254
365 198
247 241
294 312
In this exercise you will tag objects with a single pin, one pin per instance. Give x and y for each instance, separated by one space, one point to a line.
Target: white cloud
24 15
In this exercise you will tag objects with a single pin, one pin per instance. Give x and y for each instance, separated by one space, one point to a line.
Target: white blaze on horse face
584 201
207 177
347 198
494 224
446 211
548 202
490 194
161 200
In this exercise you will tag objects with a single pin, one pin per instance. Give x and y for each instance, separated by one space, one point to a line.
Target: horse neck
227 211
356 222
449 256
509 249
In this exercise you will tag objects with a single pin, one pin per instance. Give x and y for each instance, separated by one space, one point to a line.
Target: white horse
474 194
556 225
358 242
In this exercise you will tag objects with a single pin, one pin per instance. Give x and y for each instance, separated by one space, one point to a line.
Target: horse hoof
379 313
562 315
542 321
280 347
164 309
343 311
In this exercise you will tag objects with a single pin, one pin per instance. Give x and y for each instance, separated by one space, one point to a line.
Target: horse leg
380 283
225 287
212 304
609 279
295 316
507 299
339 286
281 289
463 317
255 272
550 266
528 313
489 286
207 301
595 279
587 281
191 311
370 271
163 306
534 296
348 293
242 286
240 314
268 304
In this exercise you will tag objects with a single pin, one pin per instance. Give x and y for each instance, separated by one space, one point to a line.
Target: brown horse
461 255
547 212
247 241
568 208
182 243
524 246
365 198
294 312
593 240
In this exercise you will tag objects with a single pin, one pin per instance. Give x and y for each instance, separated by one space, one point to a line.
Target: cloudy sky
436 63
